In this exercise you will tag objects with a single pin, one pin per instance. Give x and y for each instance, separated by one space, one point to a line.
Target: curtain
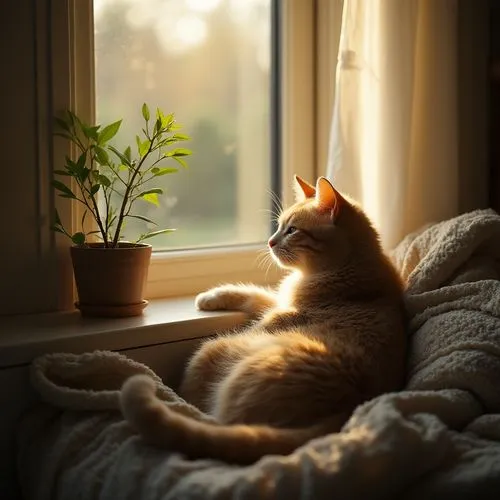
394 141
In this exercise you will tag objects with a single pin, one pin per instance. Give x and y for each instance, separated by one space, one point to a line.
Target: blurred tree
136 63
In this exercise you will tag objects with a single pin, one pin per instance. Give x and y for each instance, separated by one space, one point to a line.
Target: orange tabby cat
329 338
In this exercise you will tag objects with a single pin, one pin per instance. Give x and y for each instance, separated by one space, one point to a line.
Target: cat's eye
290 230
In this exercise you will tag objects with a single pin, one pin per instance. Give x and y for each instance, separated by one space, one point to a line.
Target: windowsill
22 338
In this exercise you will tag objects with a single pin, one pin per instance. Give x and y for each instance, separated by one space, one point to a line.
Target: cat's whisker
261 255
275 201
269 265
276 207
260 261
264 259
274 216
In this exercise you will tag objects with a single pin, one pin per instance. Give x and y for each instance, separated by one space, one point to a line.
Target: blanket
437 439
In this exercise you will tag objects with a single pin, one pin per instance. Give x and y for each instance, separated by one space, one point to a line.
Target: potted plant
110 273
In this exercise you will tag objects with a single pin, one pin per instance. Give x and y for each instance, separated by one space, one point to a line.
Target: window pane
209 62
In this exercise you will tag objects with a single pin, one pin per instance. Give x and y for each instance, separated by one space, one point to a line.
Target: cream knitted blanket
440 438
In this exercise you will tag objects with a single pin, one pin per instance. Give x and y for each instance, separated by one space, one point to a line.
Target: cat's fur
331 337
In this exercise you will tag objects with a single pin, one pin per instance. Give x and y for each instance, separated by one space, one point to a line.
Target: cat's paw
211 300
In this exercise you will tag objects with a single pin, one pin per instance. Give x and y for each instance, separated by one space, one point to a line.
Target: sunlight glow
203 5
287 289
190 31
371 109
99 5
185 33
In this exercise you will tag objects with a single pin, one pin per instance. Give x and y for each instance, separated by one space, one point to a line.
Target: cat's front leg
251 299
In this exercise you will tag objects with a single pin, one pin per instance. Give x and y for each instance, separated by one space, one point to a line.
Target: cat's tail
242 444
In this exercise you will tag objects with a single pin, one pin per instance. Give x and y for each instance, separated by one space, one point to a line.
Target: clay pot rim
124 245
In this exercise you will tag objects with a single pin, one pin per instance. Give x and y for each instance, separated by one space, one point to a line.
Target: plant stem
107 200
127 192
99 222
85 202
95 211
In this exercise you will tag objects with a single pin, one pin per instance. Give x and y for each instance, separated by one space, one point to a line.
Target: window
240 77
209 61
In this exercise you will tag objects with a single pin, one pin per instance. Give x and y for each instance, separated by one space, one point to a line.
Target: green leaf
91 132
144 146
166 120
57 229
78 238
151 195
78 169
150 191
138 142
63 134
154 233
151 198
61 172
94 189
167 141
163 171
180 161
160 115
73 118
84 174
178 152
141 217
181 137
63 188
157 125
108 132
101 155
145 112
80 163
122 156
105 181
57 219
72 168
62 124
128 153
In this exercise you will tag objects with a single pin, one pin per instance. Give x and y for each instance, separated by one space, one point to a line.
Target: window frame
178 272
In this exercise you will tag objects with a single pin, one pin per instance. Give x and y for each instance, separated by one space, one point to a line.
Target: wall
473 96
30 281
494 88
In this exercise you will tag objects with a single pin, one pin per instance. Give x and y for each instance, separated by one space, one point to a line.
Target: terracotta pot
110 281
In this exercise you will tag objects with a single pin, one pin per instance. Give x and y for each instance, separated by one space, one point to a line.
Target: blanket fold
439 438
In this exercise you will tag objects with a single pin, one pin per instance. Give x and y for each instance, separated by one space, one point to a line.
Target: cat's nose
271 243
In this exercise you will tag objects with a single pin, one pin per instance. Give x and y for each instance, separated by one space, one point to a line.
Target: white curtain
394 136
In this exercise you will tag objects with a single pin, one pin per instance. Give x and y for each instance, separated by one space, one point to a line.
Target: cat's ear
303 189
328 198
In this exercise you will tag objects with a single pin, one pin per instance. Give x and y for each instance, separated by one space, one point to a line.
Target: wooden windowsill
22 338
